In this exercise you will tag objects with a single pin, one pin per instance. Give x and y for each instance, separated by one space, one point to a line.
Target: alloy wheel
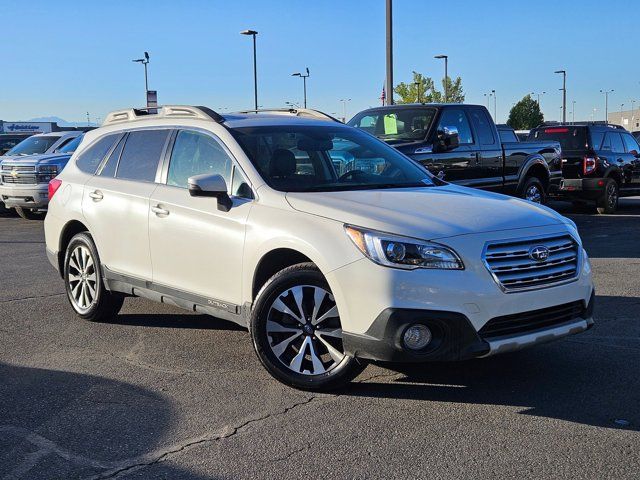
82 278
304 331
533 194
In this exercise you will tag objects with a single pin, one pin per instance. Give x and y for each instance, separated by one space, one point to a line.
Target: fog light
417 336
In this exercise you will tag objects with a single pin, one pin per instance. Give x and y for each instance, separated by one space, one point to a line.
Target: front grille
514 268
18 168
526 322
20 179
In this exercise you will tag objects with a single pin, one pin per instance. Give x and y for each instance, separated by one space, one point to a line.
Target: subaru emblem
539 253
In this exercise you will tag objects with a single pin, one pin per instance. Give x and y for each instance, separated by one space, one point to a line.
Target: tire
302 351
608 202
29 214
533 191
83 282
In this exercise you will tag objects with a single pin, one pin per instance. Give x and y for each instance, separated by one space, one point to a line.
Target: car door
620 157
116 202
459 164
196 248
633 151
489 173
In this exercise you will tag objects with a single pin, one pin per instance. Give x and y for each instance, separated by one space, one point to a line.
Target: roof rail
298 112
166 111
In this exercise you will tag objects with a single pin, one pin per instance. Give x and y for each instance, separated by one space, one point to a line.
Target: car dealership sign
27 127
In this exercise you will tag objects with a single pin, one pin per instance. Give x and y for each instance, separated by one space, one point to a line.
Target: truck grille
20 179
514 266
533 320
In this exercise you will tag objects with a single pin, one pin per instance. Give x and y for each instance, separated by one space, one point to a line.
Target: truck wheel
608 202
533 191
29 214
83 281
297 334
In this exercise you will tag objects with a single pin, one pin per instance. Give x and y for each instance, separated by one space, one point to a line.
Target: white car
245 218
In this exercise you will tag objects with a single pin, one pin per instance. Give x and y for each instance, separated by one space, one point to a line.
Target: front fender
535 160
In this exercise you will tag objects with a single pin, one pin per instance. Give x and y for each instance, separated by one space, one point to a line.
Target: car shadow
58 424
591 378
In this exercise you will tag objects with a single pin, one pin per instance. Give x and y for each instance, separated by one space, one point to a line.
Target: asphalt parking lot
162 393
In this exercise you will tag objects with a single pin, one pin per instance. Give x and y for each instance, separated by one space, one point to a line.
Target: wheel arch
272 262
535 166
70 230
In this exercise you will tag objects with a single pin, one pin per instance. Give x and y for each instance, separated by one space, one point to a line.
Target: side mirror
448 138
210 185
634 153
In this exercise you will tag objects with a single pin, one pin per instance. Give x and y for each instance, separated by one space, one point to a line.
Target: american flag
383 97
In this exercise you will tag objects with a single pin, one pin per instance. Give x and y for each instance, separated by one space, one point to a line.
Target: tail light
54 185
589 165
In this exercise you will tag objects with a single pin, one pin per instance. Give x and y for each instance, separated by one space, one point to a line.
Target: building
629 119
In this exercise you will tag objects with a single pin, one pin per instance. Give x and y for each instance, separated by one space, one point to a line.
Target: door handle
96 195
158 210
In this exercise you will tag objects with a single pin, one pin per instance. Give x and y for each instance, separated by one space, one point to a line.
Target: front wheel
83 281
29 214
608 202
533 191
297 334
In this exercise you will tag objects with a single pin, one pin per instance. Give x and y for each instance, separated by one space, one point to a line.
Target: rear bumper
587 188
26 196
454 337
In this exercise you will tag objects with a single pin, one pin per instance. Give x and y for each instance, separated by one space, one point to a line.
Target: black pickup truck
460 143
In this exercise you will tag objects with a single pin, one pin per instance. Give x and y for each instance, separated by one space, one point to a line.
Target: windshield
33 145
400 124
71 146
325 158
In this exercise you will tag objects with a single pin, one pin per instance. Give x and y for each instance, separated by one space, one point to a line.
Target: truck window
483 126
396 124
507 136
630 143
455 117
596 140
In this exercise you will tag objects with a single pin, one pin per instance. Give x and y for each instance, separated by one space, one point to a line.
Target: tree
425 87
525 114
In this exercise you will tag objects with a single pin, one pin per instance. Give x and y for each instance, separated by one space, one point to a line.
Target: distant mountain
60 121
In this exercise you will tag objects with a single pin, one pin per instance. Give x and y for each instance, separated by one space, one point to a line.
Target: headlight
52 169
403 252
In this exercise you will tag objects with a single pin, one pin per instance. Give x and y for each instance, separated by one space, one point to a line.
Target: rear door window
141 155
89 159
630 143
616 142
484 128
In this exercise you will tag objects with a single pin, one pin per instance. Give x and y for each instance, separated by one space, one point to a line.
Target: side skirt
116 282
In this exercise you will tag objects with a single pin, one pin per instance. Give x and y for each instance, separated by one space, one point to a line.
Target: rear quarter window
89 160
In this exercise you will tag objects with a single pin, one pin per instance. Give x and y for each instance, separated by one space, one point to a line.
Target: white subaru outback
331 246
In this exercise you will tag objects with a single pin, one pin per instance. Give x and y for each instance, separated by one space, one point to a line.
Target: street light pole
389 79
446 76
573 112
88 120
495 106
253 33
144 61
417 84
606 104
564 94
344 109
304 81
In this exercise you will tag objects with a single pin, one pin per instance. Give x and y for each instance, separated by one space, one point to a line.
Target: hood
42 159
427 213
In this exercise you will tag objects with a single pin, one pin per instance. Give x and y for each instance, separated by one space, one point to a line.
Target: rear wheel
83 281
29 214
533 190
297 334
608 202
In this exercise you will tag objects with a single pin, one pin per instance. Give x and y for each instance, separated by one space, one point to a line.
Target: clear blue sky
65 58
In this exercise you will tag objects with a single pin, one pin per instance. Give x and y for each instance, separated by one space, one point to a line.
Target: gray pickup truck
461 144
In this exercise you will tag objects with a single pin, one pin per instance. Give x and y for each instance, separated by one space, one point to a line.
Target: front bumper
25 196
584 188
454 338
